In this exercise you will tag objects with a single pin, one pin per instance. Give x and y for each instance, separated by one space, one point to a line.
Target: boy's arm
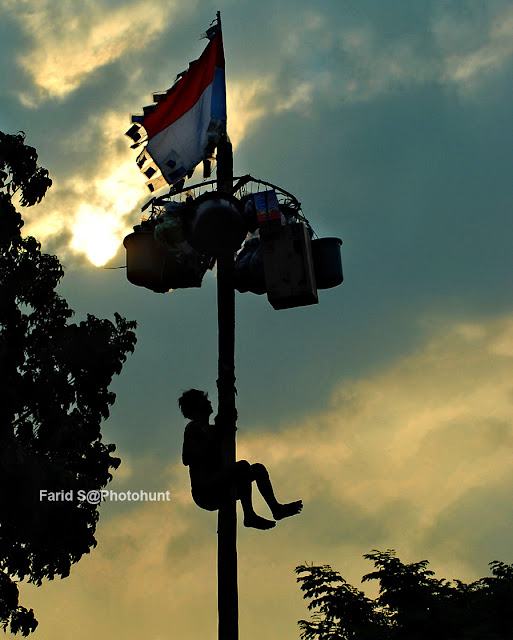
193 446
197 445
224 421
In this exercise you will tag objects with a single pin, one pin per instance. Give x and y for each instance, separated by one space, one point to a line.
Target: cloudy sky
387 406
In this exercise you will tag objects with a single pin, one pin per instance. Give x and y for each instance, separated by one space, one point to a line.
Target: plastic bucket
327 262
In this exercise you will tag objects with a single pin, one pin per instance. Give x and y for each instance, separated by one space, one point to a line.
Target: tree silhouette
54 377
412 604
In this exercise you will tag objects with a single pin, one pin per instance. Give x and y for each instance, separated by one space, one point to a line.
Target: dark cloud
414 183
58 243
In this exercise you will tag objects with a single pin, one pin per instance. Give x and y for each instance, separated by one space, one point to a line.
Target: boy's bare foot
258 523
287 510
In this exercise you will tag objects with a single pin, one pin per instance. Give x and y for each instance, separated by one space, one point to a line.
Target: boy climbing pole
210 481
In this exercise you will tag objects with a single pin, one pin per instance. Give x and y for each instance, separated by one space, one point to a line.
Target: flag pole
227 590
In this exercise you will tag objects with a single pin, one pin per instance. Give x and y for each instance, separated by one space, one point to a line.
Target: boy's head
194 404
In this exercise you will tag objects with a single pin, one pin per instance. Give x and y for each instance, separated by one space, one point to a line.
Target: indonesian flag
184 125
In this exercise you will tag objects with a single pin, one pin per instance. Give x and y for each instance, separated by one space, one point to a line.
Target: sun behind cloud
96 234
100 225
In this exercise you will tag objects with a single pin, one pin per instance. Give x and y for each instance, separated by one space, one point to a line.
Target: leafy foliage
55 379
340 610
412 604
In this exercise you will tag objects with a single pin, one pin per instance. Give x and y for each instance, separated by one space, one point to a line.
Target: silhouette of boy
210 481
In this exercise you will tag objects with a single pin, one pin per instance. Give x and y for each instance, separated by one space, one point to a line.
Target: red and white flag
184 125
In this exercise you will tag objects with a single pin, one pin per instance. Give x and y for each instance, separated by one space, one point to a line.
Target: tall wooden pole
227 592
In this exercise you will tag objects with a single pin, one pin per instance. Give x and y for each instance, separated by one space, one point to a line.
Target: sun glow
99 226
96 234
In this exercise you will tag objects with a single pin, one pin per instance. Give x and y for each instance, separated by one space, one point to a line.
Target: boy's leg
261 476
243 477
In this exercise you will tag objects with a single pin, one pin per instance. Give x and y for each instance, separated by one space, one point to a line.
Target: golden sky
400 459
387 406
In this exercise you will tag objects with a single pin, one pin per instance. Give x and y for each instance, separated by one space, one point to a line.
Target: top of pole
218 15
224 152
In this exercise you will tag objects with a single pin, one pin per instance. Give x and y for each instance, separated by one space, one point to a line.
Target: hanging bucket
288 266
151 266
215 224
144 260
327 262
249 274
